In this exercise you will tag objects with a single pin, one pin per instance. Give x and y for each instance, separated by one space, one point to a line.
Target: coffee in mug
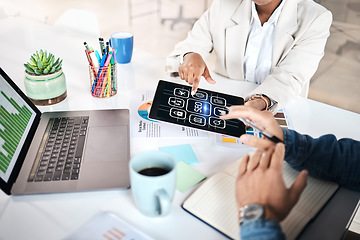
153 182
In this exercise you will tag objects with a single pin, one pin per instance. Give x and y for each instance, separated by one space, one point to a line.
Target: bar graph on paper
15 116
114 234
108 226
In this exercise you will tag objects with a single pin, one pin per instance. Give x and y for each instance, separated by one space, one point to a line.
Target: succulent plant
42 63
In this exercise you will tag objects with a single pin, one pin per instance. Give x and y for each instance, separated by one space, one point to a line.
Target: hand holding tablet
173 103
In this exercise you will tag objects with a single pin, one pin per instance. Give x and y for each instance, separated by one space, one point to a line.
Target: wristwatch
263 96
251 212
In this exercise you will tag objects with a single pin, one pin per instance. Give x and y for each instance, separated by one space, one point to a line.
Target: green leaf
28 68
43 62
51 61
59 66
39 64
57 61
33 62
60 63
35 57
52 69
48 60
37 72
33 66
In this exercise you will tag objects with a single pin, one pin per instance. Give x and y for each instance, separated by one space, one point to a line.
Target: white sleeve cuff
172 64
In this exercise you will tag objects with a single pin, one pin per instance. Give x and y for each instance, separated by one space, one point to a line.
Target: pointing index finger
195 85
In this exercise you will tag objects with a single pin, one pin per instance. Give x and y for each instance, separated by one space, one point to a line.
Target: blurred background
336 82
159 24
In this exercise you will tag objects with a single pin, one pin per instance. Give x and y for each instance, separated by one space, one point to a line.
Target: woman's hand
259 103
191 70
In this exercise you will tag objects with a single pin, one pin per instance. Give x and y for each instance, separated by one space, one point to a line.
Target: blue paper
182 153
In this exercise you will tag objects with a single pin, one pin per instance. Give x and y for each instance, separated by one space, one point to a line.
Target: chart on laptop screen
15 121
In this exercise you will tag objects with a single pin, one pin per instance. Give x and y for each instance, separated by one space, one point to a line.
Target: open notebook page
214 202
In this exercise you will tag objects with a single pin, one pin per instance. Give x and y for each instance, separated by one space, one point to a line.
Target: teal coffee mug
153 182
123 43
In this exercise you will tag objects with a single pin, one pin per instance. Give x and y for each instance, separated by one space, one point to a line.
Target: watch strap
251 212
263 97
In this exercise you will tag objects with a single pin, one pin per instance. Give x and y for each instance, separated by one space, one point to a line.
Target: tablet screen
173 103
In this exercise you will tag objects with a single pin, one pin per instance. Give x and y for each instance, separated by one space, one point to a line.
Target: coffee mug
123 43
153 182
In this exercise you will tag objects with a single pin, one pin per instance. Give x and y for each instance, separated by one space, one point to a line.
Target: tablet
173 103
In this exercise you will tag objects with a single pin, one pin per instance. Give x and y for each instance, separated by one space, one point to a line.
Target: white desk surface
54 216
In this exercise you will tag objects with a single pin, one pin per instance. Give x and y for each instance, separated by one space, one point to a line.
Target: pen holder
103 81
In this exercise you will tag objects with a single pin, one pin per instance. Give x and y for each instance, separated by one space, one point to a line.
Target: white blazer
300 37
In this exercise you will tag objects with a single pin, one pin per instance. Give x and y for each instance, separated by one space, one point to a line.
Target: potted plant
45 82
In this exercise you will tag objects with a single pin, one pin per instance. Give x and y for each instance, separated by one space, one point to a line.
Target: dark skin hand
191 70
194 67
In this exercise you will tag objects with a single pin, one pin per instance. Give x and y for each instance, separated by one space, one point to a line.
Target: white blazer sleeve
293 72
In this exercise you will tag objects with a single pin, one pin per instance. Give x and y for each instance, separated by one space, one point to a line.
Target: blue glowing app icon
198 107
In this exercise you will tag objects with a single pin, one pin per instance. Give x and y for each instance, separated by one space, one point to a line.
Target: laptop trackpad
106 144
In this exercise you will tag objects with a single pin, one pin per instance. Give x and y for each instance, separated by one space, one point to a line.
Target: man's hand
263 119
260 181
191 70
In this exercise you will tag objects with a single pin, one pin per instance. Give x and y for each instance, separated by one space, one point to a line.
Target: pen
90 52
113 64
114 55
107 60
108 85
103 61
93 58
102 46
106 75
269 136
107 47
104 82
90 62
102 72
87 46
99 75
98 56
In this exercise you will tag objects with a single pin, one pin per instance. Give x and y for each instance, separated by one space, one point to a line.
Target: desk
55 216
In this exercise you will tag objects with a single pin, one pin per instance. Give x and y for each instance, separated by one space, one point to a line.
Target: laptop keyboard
61 150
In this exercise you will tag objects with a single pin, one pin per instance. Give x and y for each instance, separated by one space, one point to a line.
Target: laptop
54 152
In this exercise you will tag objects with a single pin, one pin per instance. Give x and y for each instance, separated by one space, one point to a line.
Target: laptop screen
16 120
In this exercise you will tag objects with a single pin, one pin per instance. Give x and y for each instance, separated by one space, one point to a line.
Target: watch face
253 211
